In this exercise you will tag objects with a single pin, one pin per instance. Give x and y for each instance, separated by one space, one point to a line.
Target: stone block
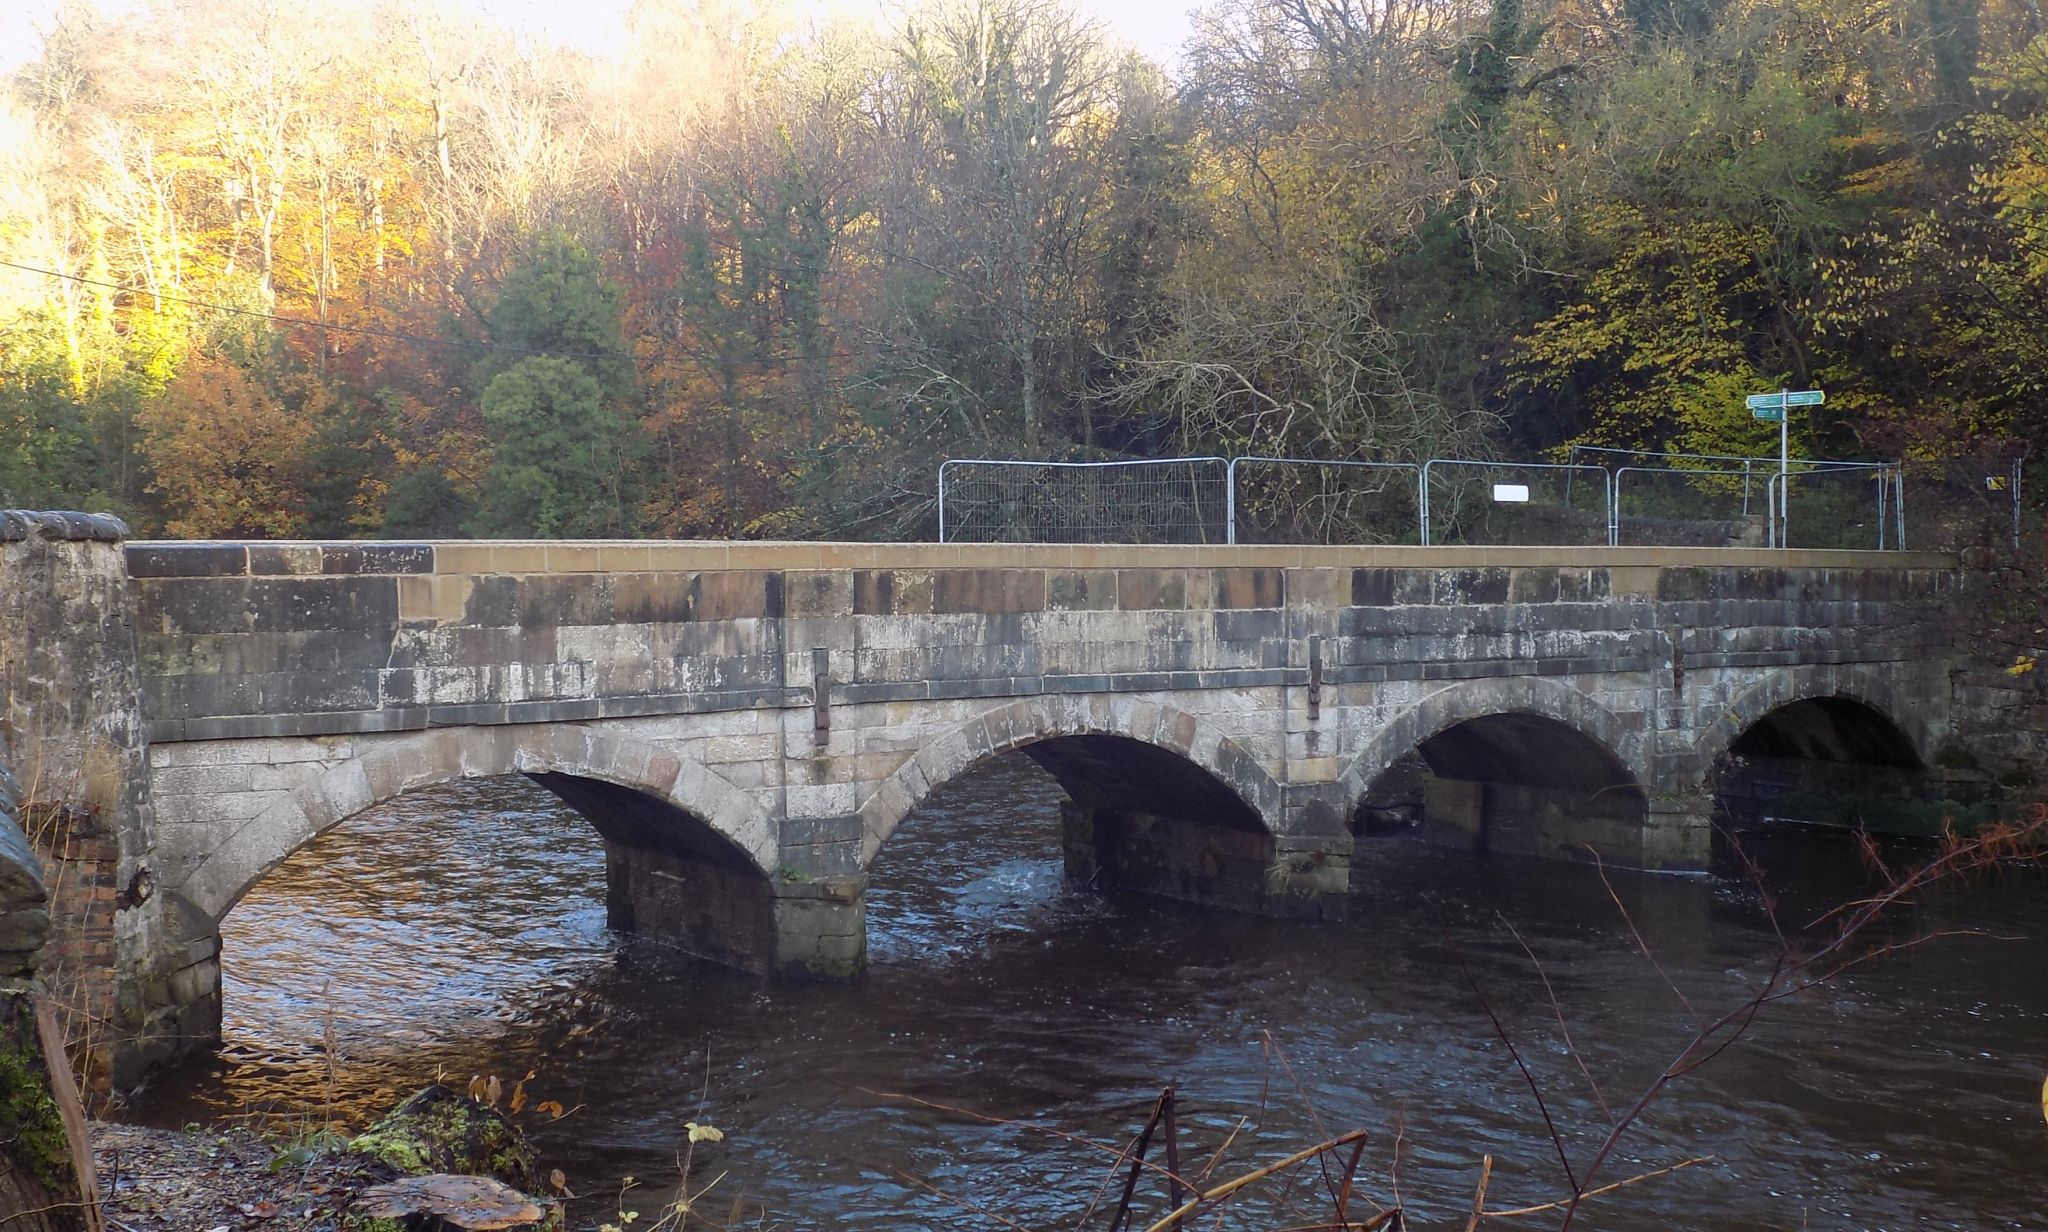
413 558
186 560
989 591
736 595
1248 588
825 594
1080 590
824 800
1482 586
294 559
1534 585
1318 589
1145 590
1250 625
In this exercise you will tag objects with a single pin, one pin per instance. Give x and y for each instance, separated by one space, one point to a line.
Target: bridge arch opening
669 872
686 854
1153 804
1514 781
1145 819
1826 760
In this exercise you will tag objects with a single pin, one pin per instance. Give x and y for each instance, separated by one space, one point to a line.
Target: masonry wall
71 712
183 715
268 664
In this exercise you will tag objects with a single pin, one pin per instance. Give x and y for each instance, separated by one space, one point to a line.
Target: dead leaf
477 1203
262 1208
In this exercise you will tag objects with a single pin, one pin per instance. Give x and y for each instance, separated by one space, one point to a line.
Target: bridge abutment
130 989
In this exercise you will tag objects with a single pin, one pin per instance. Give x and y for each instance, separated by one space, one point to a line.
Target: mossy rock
439 1130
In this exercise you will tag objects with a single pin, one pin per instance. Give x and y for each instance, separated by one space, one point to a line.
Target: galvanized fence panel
1551 504
1671 507
1154 500
1310 500
1839 505
1632 498
1968 502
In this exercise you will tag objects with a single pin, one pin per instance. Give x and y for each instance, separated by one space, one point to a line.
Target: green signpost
1772 408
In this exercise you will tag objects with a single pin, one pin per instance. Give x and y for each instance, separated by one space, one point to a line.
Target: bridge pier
798 928
1671 832
1204 863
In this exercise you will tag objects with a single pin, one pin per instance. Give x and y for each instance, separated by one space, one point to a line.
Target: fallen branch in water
1256 1175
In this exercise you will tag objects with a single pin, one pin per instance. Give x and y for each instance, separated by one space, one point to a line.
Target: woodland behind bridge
285 268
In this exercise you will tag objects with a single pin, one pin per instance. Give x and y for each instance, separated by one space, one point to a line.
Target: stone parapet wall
71 712
813 693
295 640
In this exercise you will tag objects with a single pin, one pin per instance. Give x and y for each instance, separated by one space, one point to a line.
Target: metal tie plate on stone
821 696
1315 677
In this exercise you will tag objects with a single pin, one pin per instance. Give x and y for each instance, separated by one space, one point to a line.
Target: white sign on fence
1518 492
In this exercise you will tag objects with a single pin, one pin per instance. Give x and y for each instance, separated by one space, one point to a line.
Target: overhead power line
396 335
308 323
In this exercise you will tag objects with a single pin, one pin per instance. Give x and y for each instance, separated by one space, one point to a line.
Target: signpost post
1770 407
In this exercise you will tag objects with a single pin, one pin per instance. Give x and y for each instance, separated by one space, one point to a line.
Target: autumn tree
227 450
554 400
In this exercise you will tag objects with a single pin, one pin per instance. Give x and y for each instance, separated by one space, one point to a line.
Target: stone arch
1490 698
1781 687
1031 721
389 766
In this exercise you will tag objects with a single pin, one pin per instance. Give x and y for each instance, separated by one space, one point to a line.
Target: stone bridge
745 725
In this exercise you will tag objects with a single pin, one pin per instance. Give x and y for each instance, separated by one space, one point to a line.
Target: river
461 931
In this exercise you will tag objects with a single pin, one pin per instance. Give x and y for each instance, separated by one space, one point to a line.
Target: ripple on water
461 930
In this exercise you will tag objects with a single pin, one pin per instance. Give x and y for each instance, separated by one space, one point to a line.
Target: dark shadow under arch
1148 819
1825 760
1514 781
634 820
1828 729
1117 772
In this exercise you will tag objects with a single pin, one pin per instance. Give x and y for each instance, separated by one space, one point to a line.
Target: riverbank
210 1180
439 1153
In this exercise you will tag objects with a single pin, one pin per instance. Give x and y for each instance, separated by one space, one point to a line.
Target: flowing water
461 931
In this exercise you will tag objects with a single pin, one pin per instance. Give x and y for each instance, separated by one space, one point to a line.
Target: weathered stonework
747 724
71 710
24 899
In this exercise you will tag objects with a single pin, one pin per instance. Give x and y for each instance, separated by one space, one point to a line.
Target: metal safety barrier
1411 469
1215 499
1563 474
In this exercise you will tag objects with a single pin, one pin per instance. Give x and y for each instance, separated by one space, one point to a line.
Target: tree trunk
46 1176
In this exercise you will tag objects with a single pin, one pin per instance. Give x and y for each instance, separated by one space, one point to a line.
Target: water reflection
462 932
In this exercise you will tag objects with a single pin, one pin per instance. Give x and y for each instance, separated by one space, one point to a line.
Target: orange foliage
227 454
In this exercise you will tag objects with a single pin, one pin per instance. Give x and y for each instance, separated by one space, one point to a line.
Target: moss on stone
438 1130
825 967
30 1122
